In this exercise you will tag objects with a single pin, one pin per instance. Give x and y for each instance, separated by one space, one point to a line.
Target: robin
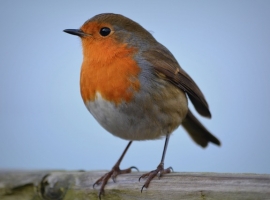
135 88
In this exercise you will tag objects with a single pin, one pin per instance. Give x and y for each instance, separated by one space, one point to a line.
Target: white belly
148 116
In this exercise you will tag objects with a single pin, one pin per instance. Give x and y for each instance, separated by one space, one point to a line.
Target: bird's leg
114 172
160 168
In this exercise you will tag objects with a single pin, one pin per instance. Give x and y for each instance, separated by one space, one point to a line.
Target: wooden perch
74 185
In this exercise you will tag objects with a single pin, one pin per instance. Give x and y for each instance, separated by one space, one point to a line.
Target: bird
135 88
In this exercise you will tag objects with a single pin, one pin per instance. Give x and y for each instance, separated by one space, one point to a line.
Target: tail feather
197 131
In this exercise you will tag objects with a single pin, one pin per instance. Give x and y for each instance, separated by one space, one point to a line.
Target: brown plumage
135 88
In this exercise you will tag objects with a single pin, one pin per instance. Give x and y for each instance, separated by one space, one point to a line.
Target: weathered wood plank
74 185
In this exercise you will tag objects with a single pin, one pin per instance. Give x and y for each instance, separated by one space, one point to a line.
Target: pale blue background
223 45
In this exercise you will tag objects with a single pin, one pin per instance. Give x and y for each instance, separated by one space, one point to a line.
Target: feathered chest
112 73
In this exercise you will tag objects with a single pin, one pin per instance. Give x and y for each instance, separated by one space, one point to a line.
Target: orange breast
108 68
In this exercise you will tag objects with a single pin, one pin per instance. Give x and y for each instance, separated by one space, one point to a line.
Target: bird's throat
113 73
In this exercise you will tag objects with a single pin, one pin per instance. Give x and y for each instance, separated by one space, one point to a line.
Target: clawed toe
165 171
111 174
123 171
150 175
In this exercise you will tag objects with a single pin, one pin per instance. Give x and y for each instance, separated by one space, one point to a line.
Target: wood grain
77 185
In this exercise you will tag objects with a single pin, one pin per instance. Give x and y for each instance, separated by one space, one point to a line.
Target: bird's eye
105 31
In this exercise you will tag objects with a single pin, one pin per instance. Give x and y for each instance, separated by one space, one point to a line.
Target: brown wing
165 63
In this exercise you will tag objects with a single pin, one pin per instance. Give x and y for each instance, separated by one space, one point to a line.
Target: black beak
77 32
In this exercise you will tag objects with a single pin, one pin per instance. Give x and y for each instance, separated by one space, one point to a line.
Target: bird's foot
115 171
150 175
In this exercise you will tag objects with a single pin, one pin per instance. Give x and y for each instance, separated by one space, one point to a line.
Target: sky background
223 45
